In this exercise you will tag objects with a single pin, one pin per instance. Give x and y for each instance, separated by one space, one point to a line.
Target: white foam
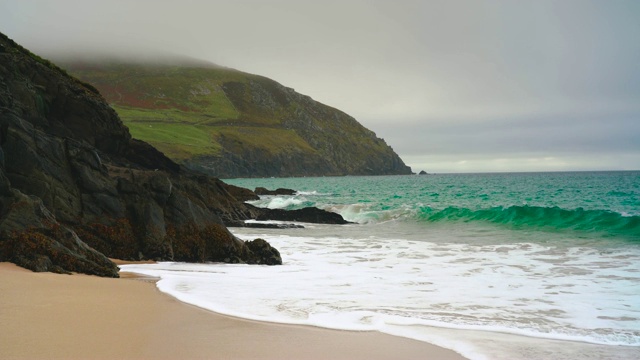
283 203
364 214
278 222
425 289
311 193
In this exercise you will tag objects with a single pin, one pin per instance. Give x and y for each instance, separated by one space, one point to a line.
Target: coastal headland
76 189
231 124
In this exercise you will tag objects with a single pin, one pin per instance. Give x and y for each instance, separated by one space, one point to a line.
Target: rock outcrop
76 189
278 191
310 215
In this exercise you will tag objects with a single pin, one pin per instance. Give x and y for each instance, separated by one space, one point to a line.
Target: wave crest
545 217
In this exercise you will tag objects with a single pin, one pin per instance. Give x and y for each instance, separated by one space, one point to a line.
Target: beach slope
44 315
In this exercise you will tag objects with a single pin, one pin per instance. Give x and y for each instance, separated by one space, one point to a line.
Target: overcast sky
452 86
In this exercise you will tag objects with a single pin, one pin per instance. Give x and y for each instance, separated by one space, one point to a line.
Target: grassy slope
196 113
184 111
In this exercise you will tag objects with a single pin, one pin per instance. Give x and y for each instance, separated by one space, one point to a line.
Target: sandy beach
45 315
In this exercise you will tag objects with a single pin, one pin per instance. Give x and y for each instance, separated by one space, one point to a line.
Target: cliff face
336 144
75 188
232 124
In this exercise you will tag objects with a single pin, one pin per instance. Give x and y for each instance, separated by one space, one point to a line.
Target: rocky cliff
76 189
233 124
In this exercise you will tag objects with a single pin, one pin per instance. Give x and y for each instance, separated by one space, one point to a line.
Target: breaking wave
555 218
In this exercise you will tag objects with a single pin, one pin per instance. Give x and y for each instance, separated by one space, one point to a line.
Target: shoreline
45 315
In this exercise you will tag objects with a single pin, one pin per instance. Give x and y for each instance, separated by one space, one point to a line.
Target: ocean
493 266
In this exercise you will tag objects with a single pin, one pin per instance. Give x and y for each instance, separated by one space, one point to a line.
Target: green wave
555 218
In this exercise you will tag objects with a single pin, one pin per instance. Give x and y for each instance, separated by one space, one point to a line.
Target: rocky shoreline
76 189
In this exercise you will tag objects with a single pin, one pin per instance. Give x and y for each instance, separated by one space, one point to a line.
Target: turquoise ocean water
494 266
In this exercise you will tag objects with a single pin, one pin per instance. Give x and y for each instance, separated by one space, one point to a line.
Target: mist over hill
228 123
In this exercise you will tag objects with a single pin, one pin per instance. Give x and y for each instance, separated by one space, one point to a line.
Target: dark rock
149 218
75 187
310 215
265 225
423 173
261 252
76 190
141 153
279 191
30 237
241 194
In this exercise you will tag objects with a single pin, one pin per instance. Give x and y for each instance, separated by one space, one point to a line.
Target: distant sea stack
231 124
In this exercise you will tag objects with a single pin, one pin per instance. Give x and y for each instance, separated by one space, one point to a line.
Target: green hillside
233 124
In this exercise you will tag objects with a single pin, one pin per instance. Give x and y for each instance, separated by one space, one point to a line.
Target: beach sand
45 315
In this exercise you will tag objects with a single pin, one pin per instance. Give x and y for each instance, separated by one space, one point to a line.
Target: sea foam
427 289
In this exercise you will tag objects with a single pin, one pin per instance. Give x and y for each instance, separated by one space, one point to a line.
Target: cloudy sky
452 86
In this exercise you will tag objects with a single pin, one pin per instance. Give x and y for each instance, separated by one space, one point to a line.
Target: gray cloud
529 144
552 135
492 83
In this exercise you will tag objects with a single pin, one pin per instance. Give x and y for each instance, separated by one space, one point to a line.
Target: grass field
176 140
184 111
